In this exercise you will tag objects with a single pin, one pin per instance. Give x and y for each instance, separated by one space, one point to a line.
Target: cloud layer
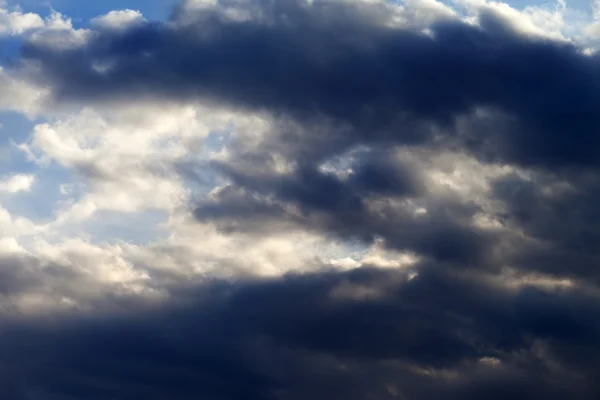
290 200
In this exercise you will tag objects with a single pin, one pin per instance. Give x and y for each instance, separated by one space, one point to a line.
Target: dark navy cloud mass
473 318
317 336
341 62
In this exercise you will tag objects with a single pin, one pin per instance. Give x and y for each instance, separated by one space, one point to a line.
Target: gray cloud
341 62
331 78
313 336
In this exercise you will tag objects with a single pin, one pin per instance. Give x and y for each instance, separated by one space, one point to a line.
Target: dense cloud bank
470 145
344 63
356 334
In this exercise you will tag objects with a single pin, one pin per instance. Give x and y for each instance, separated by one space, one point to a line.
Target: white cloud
56 30
14 226
9 245
116 20
17 23
58 33
593 29
126 157
422 13
19 94
536 21
16 183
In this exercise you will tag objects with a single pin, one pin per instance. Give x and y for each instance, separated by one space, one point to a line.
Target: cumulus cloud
346 199
58 33
16 183
19 94
17 22
121 19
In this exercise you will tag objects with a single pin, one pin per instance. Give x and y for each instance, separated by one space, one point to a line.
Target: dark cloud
44 283
355 334
559 219
343 63
335 205
334 77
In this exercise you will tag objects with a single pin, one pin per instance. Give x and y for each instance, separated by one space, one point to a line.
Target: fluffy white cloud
120 19
546 21
16 183
58 33
17 22
21 95
56 30
125 157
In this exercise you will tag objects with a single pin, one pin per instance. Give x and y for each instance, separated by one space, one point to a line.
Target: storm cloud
468 146
376 82
365 332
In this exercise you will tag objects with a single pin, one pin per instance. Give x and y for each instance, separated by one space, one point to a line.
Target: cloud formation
354 200
364 332
351 65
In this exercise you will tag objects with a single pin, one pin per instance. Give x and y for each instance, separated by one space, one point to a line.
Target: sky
293 199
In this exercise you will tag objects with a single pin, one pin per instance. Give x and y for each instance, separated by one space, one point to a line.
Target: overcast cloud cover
292 199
